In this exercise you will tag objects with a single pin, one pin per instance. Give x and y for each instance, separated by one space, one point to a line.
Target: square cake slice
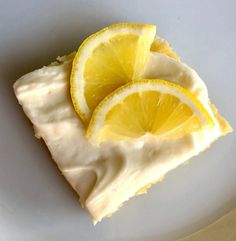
105 176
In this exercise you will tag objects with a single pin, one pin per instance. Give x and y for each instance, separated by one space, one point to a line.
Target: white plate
35 201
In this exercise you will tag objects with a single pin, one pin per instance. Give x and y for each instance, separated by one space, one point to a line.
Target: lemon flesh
107 60
157 107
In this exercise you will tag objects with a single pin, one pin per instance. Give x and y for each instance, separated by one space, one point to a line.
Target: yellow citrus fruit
107 60
157 107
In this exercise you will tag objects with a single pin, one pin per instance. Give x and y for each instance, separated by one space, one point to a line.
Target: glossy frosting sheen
106 176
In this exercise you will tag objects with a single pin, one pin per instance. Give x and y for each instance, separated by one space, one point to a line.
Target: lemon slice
107 60
158 107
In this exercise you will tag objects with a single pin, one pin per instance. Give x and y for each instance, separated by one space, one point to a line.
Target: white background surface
36 203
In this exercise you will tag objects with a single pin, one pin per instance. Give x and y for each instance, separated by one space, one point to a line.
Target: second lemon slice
158 107
106 60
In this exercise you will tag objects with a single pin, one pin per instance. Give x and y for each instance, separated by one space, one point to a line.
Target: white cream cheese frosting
106 176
